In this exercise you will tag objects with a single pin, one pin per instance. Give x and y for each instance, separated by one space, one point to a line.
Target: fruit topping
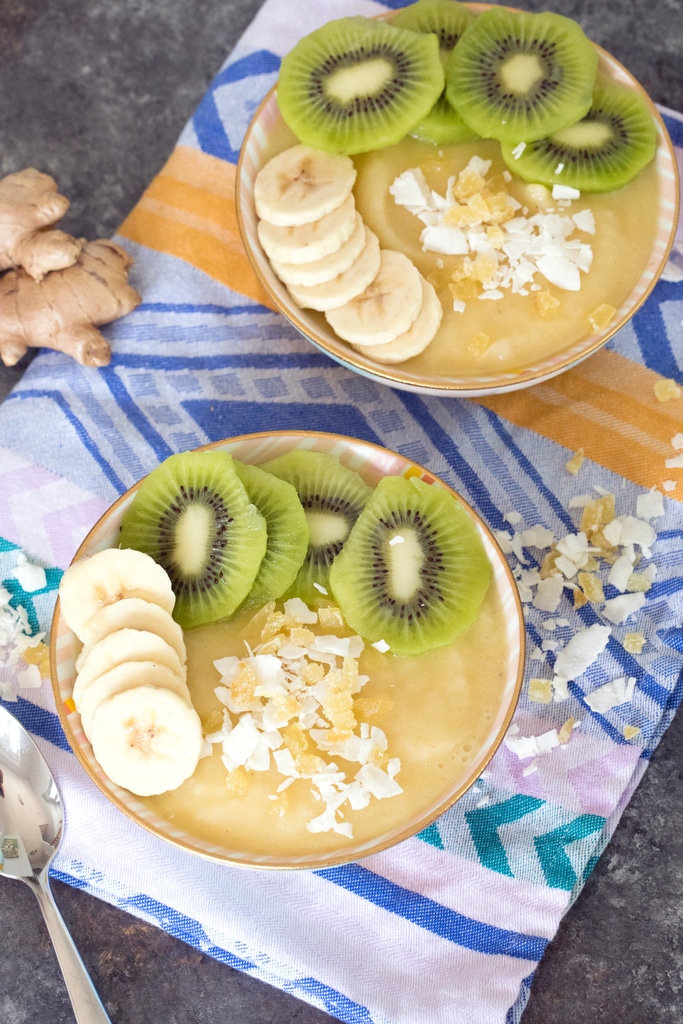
193 516
332 496
516 76
601 152
358 84
447 20
413 571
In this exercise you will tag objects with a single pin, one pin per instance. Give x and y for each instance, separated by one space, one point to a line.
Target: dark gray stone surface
96 93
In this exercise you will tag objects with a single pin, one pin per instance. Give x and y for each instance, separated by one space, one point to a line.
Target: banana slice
327 268
108 576
125 645
416 338
147 740
301 185
341 290
133 613
307 243
386 308
124 677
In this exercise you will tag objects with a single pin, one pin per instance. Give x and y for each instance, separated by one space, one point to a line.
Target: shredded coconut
505 246
292 702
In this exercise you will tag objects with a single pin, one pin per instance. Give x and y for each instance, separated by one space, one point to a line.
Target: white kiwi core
404 557
191 535
521 72
593 134
325 528
366 79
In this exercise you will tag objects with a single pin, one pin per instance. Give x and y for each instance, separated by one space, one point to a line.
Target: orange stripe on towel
188 211
608 407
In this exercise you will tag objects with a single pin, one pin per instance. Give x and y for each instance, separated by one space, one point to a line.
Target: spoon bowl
31 827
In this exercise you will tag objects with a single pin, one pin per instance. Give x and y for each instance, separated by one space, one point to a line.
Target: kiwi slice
447 20
358 84
332 496
193 515
413 571
601 152
517 77
288 532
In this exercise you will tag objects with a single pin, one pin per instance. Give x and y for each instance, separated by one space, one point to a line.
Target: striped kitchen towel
452 922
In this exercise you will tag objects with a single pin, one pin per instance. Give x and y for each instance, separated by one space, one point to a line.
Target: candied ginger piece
370 707
501 208
638 583
564 734
597 513
467 183
214 723
243 686
574 464
485 268
591 585
601 316
546 303
237 781
459 216
666 390
634 642
274 623
540 691
630 731
479 343
301 636
580 598
330 617
38 655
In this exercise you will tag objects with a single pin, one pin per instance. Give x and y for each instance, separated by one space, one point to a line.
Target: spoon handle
86 1003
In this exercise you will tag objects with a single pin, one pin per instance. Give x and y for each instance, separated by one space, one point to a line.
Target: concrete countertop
95 93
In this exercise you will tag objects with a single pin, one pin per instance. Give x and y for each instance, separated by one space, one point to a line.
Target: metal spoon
31 820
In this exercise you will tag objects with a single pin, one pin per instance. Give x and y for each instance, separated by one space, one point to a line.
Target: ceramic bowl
427 374
505 658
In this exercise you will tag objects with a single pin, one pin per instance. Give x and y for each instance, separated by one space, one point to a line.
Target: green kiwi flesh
332 496
603 151
193 515
517 77
288 532
413 572
447 20
357 84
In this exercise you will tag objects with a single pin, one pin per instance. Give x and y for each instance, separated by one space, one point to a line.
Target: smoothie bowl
296 731
520 261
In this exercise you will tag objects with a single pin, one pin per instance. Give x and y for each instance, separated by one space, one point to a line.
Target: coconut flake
581 651
31 577
611 695
618 609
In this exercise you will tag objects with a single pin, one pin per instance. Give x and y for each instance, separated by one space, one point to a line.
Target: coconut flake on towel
581 651
611 695
292 698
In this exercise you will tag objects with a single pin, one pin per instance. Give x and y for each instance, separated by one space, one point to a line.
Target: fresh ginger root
29 207
63 310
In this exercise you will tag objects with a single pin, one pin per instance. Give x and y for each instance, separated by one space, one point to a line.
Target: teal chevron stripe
484 823
21 597
432 836
550 848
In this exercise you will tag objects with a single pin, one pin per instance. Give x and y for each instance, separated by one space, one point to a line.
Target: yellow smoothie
625 227
438 712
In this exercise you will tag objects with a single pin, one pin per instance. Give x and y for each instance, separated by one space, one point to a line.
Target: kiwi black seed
517 77
413 572
603 151
333 497
358 84
193 515
288 532
447 20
